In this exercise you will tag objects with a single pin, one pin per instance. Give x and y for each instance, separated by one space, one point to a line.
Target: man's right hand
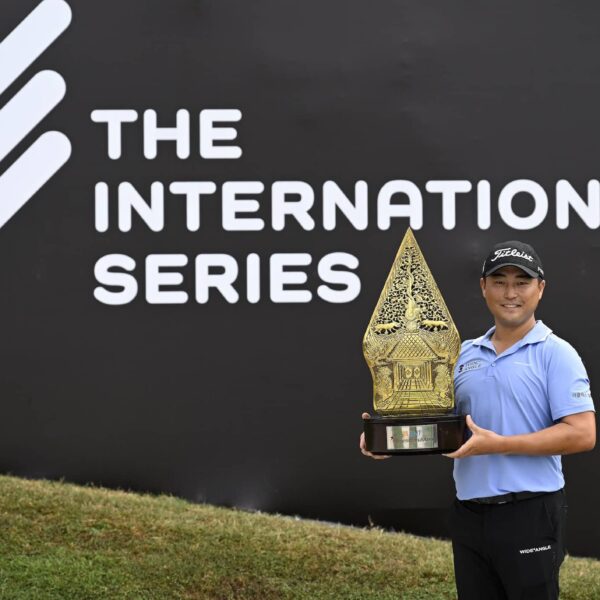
363 445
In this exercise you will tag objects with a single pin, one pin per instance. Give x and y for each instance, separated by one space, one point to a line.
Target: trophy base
438 434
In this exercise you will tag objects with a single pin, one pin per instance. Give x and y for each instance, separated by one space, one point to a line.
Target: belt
504 498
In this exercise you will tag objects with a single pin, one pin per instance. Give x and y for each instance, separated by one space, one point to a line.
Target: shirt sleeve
568 383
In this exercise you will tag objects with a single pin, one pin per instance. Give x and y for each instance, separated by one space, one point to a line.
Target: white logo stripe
28 107
31 170
31 37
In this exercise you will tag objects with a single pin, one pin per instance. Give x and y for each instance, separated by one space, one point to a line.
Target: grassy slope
61 541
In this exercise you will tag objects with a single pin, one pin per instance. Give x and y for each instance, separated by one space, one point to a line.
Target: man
527 398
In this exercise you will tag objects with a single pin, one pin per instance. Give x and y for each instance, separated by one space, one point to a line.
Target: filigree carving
411 344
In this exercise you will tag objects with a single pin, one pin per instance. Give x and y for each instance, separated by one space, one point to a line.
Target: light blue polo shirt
530 386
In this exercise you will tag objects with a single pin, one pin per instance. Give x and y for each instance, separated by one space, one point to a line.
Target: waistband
510 497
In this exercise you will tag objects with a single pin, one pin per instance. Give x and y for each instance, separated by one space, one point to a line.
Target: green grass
66 542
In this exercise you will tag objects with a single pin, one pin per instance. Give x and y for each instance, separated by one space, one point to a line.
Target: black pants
509 551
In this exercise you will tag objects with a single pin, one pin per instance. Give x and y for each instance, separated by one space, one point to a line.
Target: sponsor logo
584 394
532 550
470 366
30 105
502 252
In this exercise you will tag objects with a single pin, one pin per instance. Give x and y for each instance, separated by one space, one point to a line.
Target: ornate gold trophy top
411 344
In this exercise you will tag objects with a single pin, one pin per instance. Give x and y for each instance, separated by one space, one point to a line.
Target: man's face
511 295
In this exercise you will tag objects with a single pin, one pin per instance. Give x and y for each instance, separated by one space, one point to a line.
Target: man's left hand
482 441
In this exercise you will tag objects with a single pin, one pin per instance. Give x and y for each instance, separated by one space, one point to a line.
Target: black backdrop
258 405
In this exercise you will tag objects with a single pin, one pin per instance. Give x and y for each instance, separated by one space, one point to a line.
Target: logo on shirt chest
471 365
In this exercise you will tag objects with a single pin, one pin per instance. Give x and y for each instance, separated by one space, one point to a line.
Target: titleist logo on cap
516 254
510 252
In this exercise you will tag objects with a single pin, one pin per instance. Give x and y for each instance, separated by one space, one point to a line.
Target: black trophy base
439 434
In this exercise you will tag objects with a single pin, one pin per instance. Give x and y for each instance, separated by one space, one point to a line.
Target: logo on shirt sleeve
471 365
582 394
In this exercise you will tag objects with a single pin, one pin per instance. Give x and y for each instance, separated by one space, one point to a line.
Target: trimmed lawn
66 542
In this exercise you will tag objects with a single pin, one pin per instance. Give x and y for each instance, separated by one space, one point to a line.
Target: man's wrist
503 444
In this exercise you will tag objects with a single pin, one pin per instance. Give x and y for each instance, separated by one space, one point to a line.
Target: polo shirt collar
538 333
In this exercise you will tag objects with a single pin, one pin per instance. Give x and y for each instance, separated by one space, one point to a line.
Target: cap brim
527 270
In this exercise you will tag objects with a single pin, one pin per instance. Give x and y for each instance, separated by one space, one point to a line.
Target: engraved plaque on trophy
411 346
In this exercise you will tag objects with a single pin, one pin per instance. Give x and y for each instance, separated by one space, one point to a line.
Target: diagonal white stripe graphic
31 171
31 37
28 107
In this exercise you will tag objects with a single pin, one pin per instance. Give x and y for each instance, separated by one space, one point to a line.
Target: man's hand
363 446
482 441
574 433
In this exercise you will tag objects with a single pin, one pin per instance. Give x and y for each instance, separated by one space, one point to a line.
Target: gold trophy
411 346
